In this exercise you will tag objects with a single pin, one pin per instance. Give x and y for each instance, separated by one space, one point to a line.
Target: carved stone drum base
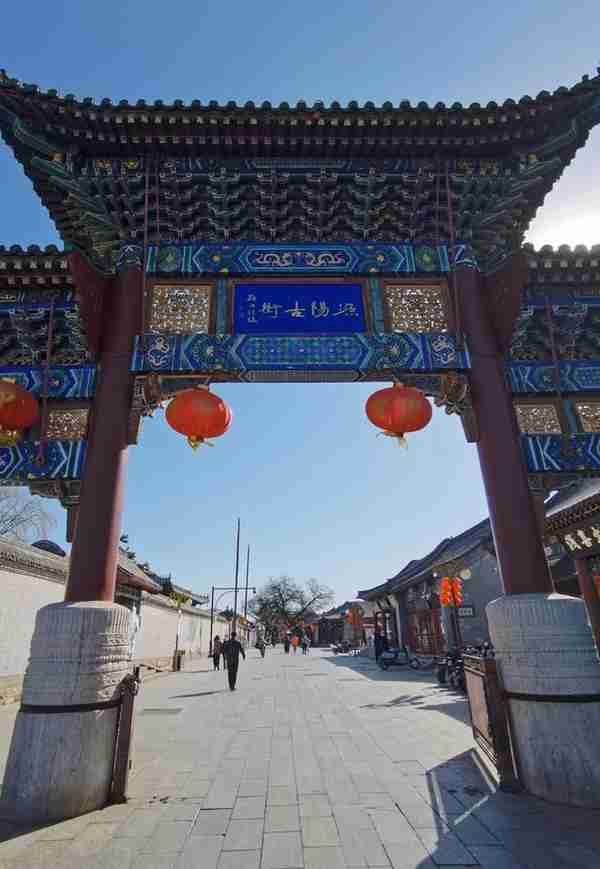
61 756
550 671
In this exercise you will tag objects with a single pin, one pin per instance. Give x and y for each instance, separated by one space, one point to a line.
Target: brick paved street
319 762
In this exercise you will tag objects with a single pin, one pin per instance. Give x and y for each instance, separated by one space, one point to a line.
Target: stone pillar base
60 764
549 668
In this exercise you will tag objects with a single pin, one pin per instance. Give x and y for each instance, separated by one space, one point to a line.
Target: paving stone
45 855
363 848
412 854
282 796
471 832
243 835
282 819
446 849
319 832
220 797
499 858
324 858
211 822
239 860
92 840
182 810
253 787
201 852
392 827
249 807
282 851
168 837
315 806
155 861
306 750
140 824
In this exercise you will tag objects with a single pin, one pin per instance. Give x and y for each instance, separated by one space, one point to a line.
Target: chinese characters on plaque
583 541
299 308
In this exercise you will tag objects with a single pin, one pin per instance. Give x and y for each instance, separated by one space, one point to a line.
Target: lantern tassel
198 442
400 438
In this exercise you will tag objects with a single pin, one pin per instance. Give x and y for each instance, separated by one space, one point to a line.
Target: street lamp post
224 589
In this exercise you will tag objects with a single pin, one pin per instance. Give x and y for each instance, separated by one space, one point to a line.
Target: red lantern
199 415
457 591
19 410
398 409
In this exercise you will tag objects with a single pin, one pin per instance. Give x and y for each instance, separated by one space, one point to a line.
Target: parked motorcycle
446 665
340 648
397 658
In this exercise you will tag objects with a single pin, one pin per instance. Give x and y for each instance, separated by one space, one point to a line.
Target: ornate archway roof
303 173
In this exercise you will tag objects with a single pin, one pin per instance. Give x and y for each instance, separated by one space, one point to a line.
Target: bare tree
23 516
284 603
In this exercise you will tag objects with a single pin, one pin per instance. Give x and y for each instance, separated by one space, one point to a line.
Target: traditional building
408 605
334 626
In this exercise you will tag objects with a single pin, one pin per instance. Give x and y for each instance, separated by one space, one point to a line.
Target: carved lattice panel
538 418
67 425
416 308
589 416
180 309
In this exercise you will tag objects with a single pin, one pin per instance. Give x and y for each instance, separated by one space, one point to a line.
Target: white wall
21 596
158 631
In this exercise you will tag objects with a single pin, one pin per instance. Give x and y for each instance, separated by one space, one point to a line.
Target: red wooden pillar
93 563
515 524
589 592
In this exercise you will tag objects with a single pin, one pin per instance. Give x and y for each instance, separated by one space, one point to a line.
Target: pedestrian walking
232 649
295 644
379 645
216 652
260 645
304 645
286 645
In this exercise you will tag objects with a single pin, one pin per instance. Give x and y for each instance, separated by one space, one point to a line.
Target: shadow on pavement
447 702
367 667
198 694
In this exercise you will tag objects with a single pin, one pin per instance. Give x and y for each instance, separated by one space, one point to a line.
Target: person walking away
260 645
295 643
286 645
232 649
304 644
216 652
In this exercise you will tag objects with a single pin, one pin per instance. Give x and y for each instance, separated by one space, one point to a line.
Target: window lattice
589 416
67 425
415 308
182 310
538 418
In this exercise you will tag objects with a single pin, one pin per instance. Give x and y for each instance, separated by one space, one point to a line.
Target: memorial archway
198 239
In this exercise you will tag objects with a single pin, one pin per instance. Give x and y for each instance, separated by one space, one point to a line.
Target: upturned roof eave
69 103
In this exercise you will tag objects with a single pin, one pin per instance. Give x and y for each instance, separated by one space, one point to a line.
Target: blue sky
319 494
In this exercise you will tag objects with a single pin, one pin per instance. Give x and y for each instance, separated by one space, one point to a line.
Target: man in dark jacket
232 649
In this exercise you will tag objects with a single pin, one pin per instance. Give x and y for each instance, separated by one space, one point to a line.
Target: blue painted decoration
235 355
63 460
31 302
354 257
299 308
540 377
560 454
66 382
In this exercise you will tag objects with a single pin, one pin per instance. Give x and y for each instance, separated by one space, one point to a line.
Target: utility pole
237 574
247 577
212 619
